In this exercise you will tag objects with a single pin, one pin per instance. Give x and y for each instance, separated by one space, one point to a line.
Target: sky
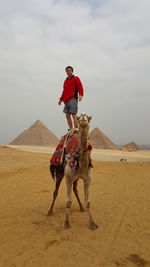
108 44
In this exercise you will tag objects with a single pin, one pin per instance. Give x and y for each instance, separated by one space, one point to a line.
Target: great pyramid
37 135
132 146
100 140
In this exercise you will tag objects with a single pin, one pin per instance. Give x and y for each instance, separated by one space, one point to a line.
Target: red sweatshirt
71 88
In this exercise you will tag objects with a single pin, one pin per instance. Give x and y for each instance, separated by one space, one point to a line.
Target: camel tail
57 172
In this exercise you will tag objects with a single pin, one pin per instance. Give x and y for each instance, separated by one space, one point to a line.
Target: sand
97 154
120 205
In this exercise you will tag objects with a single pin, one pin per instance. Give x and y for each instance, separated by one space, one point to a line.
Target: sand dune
120 202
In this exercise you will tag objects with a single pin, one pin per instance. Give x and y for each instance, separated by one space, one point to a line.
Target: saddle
69 151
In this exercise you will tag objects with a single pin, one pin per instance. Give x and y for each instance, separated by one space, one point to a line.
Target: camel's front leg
91 224
68 202
75 190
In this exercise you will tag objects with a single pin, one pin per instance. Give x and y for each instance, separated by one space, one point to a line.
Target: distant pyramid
132 146
100 140
37 135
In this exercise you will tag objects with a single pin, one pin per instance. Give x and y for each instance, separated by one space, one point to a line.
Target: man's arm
61 98
80 88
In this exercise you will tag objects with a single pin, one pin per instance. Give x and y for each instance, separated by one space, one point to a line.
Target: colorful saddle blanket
71 144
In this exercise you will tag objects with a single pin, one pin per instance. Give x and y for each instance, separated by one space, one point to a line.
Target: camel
73 175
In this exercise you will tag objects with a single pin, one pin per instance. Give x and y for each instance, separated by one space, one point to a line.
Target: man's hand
80 97
59 102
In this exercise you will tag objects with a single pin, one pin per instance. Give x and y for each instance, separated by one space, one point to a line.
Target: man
72 92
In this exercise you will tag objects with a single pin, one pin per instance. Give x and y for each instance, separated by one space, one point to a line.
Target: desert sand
97 154
120 205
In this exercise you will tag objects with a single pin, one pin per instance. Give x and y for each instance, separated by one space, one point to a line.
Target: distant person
72 92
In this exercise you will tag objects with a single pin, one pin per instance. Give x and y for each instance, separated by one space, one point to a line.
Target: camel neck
84 138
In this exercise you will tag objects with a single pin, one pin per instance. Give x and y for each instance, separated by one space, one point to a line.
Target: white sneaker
70 131
76 129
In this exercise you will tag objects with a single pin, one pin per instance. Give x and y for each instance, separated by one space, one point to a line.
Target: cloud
107 42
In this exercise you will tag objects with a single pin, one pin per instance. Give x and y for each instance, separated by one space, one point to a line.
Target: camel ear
89 117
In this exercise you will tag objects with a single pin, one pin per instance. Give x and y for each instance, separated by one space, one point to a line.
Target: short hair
69 67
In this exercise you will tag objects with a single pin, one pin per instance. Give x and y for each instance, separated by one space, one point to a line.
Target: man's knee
74 115
68 115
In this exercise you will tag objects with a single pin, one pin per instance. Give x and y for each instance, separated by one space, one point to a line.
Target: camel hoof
82 209
50 213
93 226
66 225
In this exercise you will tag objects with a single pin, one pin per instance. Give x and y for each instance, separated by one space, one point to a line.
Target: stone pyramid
37 135
132 146
100 140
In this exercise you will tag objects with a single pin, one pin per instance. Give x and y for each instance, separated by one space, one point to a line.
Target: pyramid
100 140
37 135
132 146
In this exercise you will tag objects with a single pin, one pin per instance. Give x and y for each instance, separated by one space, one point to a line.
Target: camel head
84 120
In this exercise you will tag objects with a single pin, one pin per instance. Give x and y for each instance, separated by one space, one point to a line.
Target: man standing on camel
72 92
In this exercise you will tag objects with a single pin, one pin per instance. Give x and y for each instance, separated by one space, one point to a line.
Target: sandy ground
97 154
120 205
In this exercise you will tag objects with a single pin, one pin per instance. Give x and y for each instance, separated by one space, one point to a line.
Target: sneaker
76 129
70 132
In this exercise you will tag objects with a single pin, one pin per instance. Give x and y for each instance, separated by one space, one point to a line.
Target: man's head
69 71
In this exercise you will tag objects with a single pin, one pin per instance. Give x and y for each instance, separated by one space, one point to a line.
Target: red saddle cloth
72 145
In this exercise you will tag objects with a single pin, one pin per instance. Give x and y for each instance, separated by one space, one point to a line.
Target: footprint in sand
44 191
137 260
38 222
134 259
50 243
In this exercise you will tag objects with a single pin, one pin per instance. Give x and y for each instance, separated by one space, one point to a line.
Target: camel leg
75 190
91 224
50 212
68 202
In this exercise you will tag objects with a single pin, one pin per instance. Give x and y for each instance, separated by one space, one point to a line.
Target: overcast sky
108 44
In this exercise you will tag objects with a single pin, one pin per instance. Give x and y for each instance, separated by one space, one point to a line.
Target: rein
89 148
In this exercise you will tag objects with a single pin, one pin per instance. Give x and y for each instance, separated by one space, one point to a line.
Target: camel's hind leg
68 202
50 212
75 190
57 174
91 224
